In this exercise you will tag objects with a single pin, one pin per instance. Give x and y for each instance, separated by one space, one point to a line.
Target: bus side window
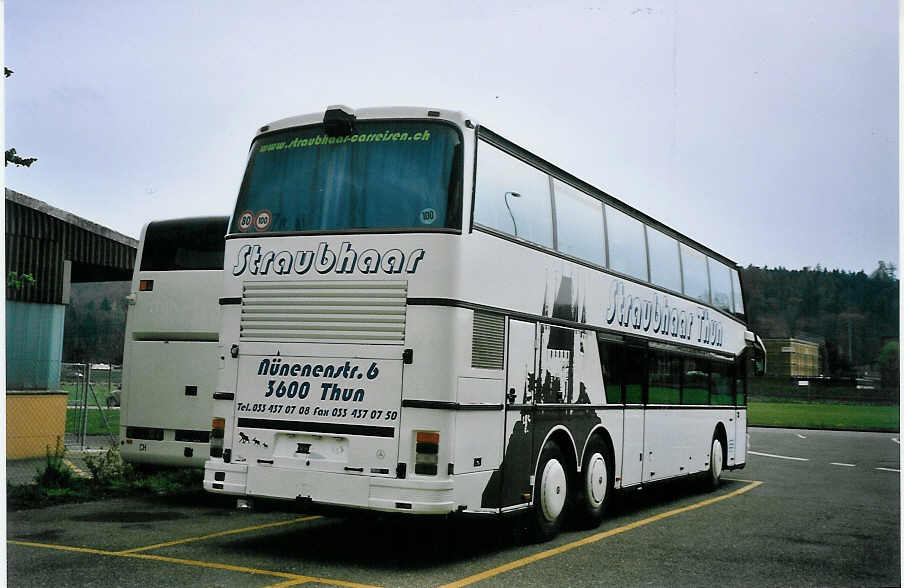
635 374
665 378
696 278
512 196
627 244
610 362
722 383
696 381
741 371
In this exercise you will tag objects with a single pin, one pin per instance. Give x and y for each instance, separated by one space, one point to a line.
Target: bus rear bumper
165 453
415 496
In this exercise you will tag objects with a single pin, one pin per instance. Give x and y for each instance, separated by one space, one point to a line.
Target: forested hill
852 314
95 322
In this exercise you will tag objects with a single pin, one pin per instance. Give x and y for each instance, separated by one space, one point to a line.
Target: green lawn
95 422
824 416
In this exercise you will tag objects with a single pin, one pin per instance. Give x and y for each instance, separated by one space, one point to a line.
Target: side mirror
759 358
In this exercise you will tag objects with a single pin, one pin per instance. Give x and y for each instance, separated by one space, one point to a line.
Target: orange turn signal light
428 437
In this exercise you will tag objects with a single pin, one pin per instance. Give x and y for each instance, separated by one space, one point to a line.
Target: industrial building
794 358
47 249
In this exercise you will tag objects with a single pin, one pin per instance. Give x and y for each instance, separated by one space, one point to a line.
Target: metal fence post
84 428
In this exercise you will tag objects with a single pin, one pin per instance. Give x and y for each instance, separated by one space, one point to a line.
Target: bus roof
461 119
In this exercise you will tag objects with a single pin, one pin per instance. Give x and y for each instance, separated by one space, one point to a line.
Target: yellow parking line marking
220 534
293 579
321 581
159 558
208 564
60 547
594 538
286 584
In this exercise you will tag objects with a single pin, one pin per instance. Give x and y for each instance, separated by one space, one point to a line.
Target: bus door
740 422
521 384
666 424
634 383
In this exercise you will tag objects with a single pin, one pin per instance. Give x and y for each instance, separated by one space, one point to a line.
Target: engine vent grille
324 312
488 340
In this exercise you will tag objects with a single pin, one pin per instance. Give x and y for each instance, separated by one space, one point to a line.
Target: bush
108 468
172 481
56 474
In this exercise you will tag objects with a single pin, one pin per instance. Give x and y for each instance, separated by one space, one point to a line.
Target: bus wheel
713 477
597 484
550 493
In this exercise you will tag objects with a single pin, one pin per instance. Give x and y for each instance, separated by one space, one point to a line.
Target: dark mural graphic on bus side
557 354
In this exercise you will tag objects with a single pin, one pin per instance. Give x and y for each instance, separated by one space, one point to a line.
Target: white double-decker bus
170 355
419 316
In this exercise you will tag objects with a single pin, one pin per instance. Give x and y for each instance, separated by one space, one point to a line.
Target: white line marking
895 439
801 436
888 470
847 465
778 456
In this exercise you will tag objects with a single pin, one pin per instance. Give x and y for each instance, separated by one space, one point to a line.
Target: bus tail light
145 285
426 451
217 431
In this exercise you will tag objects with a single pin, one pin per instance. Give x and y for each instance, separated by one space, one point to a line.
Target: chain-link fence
92 412
80 416
838 390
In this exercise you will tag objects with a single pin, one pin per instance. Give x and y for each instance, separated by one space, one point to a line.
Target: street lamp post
513 195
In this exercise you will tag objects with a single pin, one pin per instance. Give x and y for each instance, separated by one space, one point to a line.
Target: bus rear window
388 174
184 244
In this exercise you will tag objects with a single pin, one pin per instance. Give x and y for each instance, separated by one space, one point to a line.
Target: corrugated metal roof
40 237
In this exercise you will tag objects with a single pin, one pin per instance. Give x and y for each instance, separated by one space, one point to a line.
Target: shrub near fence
840 390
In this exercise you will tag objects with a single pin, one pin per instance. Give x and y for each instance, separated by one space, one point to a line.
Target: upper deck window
736 293
665 267
579 224
512 196
627 249
720 280
184 244
696 280
388 174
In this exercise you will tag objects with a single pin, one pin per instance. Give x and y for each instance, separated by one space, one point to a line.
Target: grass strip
95 422
824 415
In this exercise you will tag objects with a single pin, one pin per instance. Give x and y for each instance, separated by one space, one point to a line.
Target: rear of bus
170 356
341 220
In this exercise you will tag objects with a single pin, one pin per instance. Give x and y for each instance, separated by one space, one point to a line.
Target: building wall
792 358
34 423
34 345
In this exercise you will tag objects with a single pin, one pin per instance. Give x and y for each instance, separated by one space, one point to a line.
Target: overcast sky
767 130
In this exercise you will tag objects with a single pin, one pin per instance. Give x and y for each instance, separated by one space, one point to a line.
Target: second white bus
170 356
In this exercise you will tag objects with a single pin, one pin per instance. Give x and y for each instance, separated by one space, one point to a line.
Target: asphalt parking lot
811 508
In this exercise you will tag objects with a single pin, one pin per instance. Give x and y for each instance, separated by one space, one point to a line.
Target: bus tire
550 494
716 457
596 484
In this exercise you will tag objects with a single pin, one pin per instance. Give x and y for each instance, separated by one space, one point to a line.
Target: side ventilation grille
487 340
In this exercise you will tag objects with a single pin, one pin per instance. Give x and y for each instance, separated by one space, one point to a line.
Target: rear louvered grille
487 340
324 312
